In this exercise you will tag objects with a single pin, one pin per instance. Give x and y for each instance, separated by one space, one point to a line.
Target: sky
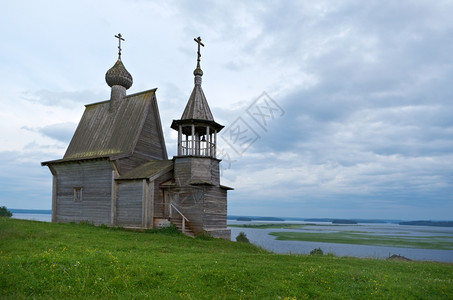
339 109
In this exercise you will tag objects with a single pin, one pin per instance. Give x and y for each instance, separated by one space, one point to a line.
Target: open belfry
116 170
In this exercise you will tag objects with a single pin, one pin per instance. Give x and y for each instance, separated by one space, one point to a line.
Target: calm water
262 238
35 217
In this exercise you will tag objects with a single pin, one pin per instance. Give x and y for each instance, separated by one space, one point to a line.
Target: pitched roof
149 170
197 107
106 133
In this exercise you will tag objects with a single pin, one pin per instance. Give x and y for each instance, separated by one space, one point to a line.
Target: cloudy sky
332 108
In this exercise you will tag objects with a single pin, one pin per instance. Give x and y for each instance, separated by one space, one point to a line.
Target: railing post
183 225
180 140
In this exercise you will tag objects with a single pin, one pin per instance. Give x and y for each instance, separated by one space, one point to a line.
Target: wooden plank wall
190 169
189 200
151 140
215 208
129 205
205 206
95 178
160 204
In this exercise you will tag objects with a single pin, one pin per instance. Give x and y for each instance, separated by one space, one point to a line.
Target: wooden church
116 171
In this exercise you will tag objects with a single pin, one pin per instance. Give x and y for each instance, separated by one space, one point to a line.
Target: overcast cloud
364 90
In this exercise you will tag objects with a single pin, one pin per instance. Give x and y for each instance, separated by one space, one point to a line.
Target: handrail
198 148
172 205
184 219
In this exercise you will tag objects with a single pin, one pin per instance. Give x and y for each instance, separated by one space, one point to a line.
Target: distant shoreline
285 219
30 211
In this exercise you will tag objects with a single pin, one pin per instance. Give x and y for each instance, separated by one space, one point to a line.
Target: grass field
46 260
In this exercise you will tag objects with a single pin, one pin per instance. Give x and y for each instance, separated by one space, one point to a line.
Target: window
77 194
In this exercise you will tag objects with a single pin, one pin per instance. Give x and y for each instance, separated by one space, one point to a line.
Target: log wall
196 169
129 204
197 193
94 177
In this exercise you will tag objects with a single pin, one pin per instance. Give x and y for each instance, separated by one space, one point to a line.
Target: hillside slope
46 260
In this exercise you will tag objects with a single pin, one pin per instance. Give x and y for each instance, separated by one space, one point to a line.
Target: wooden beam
215 143
180 140
193 140
144 203
114 197
208 142
151 203
54 197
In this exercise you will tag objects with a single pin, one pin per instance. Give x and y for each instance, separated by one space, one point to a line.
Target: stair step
178 224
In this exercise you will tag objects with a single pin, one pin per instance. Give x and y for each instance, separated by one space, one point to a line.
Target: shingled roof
197 107
114 134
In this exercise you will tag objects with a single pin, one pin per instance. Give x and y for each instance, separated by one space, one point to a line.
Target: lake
31 216
262 238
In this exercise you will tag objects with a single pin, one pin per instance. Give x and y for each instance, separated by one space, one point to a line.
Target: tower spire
197 130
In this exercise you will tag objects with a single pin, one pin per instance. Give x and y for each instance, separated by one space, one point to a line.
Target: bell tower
197 192
197 130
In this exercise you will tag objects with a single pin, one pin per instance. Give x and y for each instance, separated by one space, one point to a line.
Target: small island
428 223
341 221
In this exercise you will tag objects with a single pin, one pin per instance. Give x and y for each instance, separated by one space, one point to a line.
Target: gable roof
103 132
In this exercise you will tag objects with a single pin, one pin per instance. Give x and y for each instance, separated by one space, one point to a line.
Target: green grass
44 260
360 238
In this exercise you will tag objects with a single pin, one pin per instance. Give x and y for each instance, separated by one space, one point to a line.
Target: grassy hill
45 260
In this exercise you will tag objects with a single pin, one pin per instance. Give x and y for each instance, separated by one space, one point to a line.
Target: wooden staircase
186 230
180 221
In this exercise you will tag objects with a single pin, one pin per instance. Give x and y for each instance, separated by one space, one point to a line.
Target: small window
77 194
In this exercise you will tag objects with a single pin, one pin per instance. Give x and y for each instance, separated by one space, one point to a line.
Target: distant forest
429 223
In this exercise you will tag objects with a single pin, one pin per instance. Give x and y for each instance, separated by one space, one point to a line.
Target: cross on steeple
120 38
198 41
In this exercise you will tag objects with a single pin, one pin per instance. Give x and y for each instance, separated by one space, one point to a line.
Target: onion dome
198 71
118 75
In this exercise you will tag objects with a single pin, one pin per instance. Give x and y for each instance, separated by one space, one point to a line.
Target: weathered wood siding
215 208
160 202
151 141
205 203
196 170
95 179
129 204
189 200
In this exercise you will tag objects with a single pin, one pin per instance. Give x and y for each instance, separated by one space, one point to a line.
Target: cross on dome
198 41
120 38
